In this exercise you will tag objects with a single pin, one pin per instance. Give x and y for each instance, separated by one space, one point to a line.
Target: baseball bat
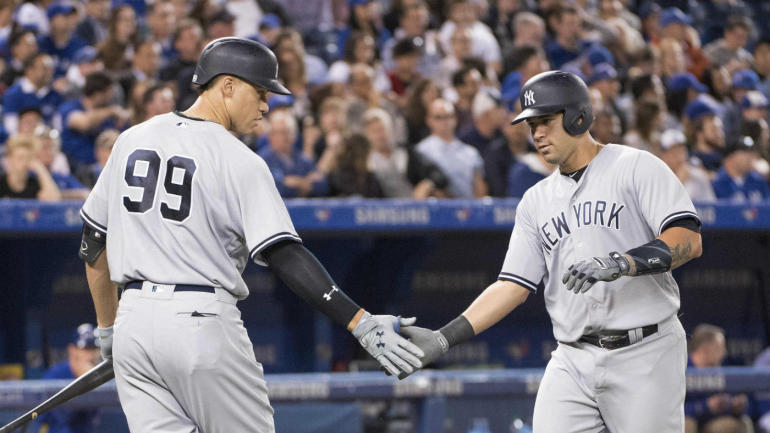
92 379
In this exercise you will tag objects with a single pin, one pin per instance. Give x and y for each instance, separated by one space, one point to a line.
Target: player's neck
206 110
584 152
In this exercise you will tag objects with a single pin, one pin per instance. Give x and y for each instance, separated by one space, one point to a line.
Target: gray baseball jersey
624 199
185 202
182 201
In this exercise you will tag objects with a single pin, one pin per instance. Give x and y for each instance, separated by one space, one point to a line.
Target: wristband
457 331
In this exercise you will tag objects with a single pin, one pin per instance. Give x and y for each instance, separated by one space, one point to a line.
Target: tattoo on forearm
680 254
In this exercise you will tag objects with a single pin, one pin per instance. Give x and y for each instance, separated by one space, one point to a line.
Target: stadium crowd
393 98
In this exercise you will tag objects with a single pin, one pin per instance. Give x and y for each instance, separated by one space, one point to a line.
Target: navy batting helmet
243 58
557 92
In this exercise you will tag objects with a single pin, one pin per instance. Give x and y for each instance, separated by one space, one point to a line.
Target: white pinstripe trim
91 222
676 216
506 276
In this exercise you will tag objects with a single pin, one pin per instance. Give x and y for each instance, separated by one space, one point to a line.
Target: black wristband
457 331
651 258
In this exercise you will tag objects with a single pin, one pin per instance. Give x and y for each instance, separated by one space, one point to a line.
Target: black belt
177 288
616 339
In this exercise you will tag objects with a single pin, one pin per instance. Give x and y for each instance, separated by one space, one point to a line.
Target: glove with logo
585 273
105 341
379 336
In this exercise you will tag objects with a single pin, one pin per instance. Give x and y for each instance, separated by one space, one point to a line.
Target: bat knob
34 415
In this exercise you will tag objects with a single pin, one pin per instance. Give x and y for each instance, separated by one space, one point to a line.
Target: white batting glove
379 336
105 341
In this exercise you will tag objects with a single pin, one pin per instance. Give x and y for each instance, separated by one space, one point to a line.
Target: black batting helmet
243 58
557 92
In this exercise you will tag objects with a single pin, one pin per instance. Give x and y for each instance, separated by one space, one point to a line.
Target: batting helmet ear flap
577 122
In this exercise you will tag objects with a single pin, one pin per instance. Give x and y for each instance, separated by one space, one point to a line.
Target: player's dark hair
703 333
738 21
519 56
641 84
151 91
97 82
646 114
18 35
458 78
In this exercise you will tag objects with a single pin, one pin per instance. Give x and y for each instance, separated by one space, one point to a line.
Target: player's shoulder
621 156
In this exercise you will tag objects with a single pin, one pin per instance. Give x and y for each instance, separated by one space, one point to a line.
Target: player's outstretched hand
585 273
432 343
379 336
105 341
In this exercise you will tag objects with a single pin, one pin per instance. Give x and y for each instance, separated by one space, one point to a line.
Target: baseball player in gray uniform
179 209
602 234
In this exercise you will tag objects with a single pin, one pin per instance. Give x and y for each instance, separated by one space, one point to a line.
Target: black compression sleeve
298 268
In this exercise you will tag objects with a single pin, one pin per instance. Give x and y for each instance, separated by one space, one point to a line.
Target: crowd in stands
393 98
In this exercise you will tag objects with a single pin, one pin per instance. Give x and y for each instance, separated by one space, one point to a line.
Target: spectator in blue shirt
82 355
711 412
527 171
737 180
295 175
567 44
89 174
61 43
83 119
31 90
161 23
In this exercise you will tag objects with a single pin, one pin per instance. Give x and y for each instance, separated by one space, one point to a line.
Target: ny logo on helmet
529 97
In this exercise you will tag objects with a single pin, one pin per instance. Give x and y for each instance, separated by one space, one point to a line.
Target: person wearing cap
676 25
82 355
33 89
221 24
673 151
406 56
682 88
604 79
649 13
705 132
743 81
737 180
268 30
729 49
754 106
62 43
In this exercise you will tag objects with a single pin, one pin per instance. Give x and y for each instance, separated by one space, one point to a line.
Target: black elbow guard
92 244
651 258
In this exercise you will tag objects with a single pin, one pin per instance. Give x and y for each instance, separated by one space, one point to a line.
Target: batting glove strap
377 334
620 261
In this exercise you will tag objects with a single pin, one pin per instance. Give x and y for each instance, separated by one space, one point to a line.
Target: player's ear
228 86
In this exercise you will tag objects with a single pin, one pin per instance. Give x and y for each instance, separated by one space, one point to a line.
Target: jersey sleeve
259 207
94 210
661 197
524 262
